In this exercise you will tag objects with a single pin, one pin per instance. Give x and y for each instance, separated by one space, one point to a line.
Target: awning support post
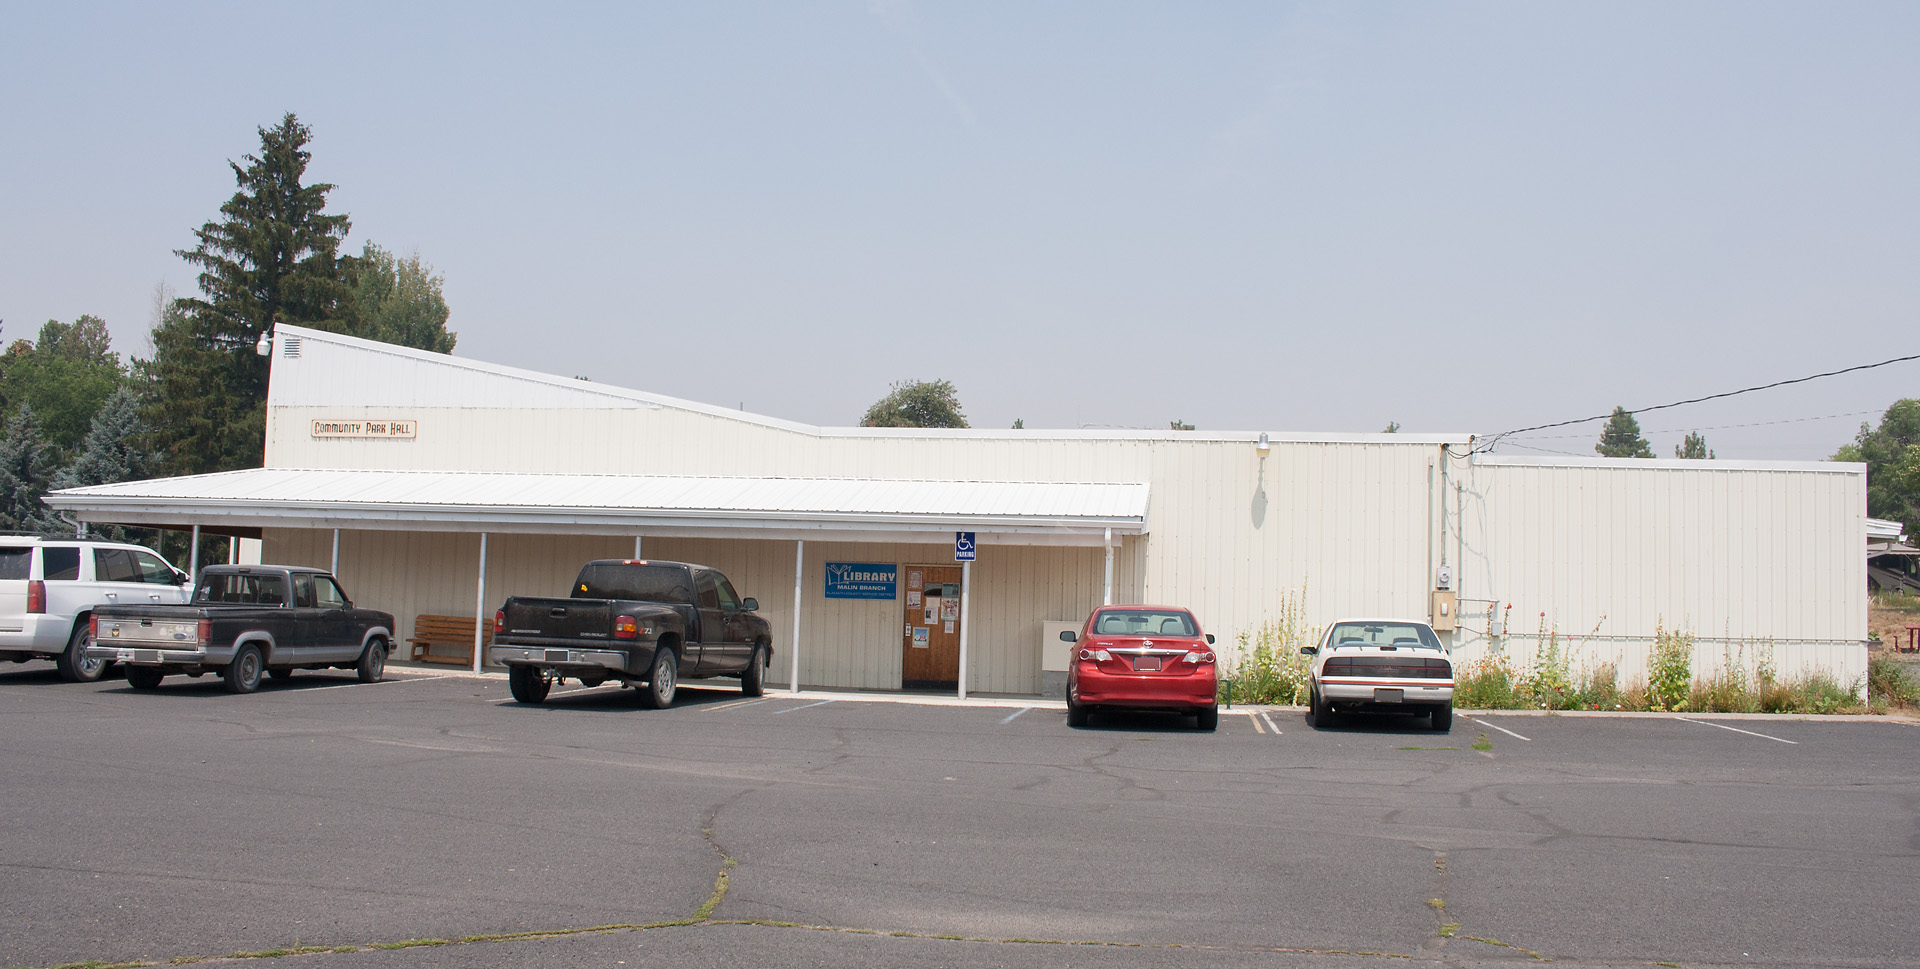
480 606
1106 598
193 556
335 567
966 599
799 564
636 548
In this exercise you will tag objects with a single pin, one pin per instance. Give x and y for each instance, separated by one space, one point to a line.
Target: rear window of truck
264 590
644 583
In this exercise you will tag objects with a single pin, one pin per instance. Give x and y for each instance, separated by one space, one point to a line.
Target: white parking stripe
1501 729
1015 713
1269 720
801 707
1738 730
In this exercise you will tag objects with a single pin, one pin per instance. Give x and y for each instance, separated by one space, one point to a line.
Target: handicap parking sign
963 546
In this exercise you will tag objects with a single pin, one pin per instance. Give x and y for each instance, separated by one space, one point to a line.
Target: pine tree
1694 449
110 454
24 469
1621 438
272 258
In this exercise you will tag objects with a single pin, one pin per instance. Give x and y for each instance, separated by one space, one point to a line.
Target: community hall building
435 485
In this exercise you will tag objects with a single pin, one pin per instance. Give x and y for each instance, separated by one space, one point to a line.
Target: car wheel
373 662
73 664
1076 714
753 681
1318 716
243 674
144 677
663 681
1443 718
528 683
1207 719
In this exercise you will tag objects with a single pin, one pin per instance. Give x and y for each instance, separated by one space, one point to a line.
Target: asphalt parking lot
846 830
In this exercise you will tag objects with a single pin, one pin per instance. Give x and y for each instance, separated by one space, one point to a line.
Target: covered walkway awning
821 509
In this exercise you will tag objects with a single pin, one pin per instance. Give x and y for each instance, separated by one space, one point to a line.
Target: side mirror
750 604
180 578
1069 636
1309 650
1209 639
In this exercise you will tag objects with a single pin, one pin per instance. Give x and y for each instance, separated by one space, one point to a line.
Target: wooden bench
454 634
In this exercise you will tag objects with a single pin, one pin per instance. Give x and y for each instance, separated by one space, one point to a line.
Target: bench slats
453 633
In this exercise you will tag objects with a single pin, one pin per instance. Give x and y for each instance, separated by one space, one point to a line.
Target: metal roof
1042 513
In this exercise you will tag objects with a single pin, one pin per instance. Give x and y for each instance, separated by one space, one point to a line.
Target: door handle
113 595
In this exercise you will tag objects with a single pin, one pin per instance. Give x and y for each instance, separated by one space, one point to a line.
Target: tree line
74 414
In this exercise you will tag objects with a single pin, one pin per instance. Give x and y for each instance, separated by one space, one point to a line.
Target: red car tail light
1096 654
37 596
1200 656
205 631
499 621
624 627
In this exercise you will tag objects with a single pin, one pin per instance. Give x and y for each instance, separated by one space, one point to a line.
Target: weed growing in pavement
1271 668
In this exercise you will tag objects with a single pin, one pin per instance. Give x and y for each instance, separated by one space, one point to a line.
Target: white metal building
439 485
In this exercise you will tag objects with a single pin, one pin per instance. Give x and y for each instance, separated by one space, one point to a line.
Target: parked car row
647 624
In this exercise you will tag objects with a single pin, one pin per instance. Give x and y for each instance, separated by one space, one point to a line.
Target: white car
1380 666
49 586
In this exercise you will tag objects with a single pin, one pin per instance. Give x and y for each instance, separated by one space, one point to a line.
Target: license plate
556 656
1383 695
1146 664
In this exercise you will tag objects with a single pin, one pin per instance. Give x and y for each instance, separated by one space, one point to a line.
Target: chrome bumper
558 657
156 656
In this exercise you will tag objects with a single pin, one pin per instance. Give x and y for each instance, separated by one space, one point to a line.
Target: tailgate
555 621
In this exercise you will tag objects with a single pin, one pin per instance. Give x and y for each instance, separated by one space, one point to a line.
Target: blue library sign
862 580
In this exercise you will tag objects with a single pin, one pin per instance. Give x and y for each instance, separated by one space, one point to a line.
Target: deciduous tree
917 403
399 301
64 376
1891 453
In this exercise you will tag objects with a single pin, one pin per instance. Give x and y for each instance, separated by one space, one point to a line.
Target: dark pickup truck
647 624
246 620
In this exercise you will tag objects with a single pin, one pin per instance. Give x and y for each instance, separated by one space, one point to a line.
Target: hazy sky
1267 216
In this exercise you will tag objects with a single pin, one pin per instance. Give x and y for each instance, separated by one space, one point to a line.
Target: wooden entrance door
931 641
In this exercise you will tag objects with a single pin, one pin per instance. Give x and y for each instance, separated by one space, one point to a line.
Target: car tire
1318 716
144 677
528 683
1207 719
663 681
243 674
753 680
1076 714
73 664
373 662
1443 718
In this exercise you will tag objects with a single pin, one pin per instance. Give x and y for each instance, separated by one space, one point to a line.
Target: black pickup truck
245 620
644 623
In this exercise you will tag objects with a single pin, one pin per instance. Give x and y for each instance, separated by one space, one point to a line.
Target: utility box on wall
1446 605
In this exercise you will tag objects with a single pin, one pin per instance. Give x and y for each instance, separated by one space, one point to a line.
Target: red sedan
1142 658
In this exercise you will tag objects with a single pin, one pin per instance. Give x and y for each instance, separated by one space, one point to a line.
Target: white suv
49 586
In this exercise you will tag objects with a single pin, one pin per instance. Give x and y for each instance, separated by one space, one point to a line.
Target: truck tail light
1100 655
499 621
624 627
37 596
204 631
93 628
1200 656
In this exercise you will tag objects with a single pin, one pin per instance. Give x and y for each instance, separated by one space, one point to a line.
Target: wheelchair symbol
963 546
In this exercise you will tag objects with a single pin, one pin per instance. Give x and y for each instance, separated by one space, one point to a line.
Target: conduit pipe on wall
799 563
480 607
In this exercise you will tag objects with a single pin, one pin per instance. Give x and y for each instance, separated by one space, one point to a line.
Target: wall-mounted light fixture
265 346
1262 445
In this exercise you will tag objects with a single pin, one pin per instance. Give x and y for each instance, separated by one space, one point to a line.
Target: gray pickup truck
246 620
647 624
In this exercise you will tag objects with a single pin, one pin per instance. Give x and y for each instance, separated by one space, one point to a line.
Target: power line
1698 400
1715 427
